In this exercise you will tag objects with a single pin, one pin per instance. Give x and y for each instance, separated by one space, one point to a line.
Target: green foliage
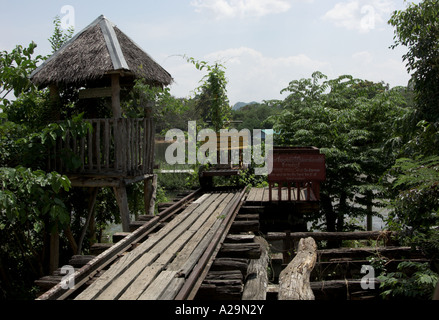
15 67
212 101
28 195
413 280
350 120
59 36
417 29
415 204
255 116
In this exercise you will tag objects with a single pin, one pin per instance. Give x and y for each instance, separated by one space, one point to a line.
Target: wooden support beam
91 205
150 192
356 235
54 250
122 200
294 281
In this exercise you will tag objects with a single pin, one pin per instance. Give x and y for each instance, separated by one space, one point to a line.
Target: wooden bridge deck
159 267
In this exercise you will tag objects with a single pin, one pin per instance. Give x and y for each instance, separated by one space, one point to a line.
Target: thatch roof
98 50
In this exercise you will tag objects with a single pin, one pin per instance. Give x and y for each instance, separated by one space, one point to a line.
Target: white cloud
223 9
251 75
360 15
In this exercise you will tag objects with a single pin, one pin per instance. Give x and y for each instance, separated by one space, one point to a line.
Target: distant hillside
239 105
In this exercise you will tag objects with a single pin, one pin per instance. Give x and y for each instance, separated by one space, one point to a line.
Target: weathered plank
159 285
129 259
157 250
240 250
294 283
194 233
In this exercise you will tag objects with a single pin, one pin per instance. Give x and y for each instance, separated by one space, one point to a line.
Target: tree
417 28
349 120
415 180
212 101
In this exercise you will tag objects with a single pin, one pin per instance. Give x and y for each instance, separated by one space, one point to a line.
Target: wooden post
115 95
122 200
54 250
150 191
91 205
294 281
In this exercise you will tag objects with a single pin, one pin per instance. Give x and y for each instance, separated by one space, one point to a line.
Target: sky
263 44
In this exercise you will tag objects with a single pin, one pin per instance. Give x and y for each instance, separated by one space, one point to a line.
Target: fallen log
255 287
294 281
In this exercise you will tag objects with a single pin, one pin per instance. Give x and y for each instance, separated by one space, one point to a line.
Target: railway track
167 257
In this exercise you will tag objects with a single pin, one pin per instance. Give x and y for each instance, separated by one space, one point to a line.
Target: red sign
298 165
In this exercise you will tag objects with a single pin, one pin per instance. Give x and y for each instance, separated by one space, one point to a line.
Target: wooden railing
113 147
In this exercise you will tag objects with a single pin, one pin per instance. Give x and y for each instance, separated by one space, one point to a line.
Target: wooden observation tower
101 60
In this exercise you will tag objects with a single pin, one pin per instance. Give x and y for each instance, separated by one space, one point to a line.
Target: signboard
297 164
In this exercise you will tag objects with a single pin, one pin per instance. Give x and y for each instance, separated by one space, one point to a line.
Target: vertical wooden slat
90 148
98 145
82 155
137 146
107 144
152 142
298 191
129 144
123 146
144 146
116 145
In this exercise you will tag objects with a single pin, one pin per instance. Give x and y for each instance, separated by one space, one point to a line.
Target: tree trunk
329 212
294 281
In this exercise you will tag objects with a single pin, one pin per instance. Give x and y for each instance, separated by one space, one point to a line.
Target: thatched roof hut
95 52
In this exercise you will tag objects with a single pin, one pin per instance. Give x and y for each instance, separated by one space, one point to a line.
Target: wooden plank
266 195
90 149
252 194
98 145
259 194
107 144
174 286
189 250
356 235
113 254
168 252
148 275
129 259
153 247
159 285
194 281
